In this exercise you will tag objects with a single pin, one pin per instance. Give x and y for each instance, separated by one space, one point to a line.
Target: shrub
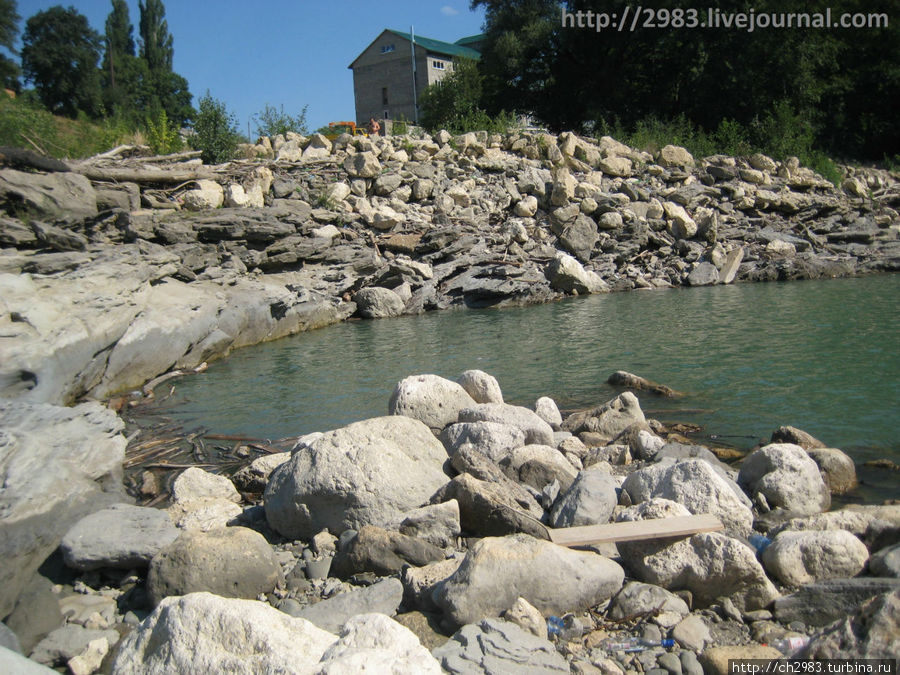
162 136
215 132
271 121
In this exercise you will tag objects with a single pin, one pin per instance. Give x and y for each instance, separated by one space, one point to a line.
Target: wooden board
659 528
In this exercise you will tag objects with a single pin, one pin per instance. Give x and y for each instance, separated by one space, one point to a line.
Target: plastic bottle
759 542
635 644
554 626
789 645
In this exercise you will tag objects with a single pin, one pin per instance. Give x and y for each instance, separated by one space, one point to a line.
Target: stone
438 524
788 434
493 439
498 570
362 165
9 640
67 642
704 274
639 598
12 662
786 478
682 226
194 484
374 549
57 465
538 465
254 477
431 399
536 430
872 632
690 665
715 659
566 274
622 378
385 218
709 565
204 514
36 613
608 420
60 195
546 408
365 473
378 303
732 265
590 500
610 220
90 660
580 237
858 519
57 238
201 632
487 508
419 582
483 388
233 562
692 633
526 207
886 562
837 469
121 536
615 166
290 151
527 616
497 646
208 195
823 602
332 613
675 156
798 558
318 147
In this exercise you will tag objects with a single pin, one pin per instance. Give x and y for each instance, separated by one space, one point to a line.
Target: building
383 82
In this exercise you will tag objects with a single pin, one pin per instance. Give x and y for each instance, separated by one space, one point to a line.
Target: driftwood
17 157
144 175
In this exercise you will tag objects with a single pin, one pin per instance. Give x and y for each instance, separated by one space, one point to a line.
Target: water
820 355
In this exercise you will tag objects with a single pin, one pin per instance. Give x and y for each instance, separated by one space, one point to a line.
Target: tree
162 88
121 69
448 104
272 121
9 29
59 55
215 131
156 43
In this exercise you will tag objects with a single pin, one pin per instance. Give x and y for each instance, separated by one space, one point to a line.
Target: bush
215 132
162 136
272 121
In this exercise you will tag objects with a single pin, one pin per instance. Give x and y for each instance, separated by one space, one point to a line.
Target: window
386 116
437 65
387 49
384 96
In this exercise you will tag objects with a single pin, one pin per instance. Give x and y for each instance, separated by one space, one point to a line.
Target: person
374 127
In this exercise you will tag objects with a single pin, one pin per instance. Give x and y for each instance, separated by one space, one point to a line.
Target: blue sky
281 52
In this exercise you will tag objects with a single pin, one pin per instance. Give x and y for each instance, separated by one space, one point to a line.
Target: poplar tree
163 89
9 28
121 67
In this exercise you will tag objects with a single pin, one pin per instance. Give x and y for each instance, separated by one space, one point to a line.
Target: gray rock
368 472
566 274
690 665
487 508
539 465
608 420
788 434
786 478
378 644
637 598
483 388
579 237
63 195
589 501
438 524
692 633
419 583
820 603
56 466
430 399
36 613
798 558
58 238
16 234
546 408
858 519
871 632
13 662
233 562
68 641
837 469
536 430
886 563
255 476
527 616
9 640
497 570
704 274
201 632
709 565
670 662
378 303
332 613
121 536
675 156
492 439
497 646
382 552
362 165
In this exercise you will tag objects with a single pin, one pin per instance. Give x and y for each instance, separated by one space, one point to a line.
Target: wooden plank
659 528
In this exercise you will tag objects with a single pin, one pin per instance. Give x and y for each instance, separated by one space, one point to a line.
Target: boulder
622 378
498 646
362 165
430 399
710 565
692 633
697 486
526 616
67 642
234 562
823 602
207 195
783 476
681 225
608 420
717 660
419 582
886 563
493 439
579 237
788 434
204 514
487 508
526 207
255 476
121 536
798 558
675 156
536 430
546 408
374 549
13 662
837 469
61 195
615 166
194 484
437 524
590 500
639 598
704 274
497 570
538 465
332 613
872 632
201 632
566 274
365 473
57 465
483 388
858 519
378 303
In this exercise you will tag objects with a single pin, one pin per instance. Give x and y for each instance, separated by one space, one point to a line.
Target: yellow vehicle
335 129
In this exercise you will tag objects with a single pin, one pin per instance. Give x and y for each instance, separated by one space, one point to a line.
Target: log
658 528
143 175
17 157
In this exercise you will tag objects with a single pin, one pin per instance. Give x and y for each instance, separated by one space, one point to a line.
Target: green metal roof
439 47
471 39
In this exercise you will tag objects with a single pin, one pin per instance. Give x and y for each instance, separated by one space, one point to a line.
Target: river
819 355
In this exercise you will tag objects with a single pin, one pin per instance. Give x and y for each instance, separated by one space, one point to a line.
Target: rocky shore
419 542
121 269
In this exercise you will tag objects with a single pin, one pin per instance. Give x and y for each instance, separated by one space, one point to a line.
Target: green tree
455 100
156 42
122 71
162 88
59 55
271 121
9 29
215 131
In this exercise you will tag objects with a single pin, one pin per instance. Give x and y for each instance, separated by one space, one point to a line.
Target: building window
437 65
386 116
384 97
387 49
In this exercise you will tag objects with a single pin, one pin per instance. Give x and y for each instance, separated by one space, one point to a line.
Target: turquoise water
818 355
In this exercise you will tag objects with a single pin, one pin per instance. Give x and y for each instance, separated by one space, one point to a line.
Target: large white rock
798 558
609 419
493 439
195 483
376 302
482 387
431 399
675 156
697 486
497 570
590 500
566 274
204 633
536 430
709 565
538 465
362 165
207 195
366 473
783 476
58 195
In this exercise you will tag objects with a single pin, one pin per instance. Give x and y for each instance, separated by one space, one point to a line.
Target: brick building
383 73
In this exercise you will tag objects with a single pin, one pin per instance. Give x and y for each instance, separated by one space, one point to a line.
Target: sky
287 53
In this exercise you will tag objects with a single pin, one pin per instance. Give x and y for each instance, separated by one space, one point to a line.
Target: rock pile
437 517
